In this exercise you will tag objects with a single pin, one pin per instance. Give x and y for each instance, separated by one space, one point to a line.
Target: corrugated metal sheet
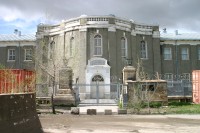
15 37
17 81
196 86
182 36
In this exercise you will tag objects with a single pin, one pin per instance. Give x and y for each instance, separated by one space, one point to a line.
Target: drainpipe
176 64
20 64
19 56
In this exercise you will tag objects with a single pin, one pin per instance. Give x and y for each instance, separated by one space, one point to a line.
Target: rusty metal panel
196 86
17 81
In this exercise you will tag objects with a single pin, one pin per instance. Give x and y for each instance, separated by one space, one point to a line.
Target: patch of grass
179 103
183 108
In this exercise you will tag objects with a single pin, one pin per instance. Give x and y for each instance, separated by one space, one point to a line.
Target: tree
54 62
143 91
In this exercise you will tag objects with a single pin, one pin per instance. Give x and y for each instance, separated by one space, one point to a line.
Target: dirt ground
67 123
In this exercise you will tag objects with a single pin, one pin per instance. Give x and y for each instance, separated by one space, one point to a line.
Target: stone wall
18 114
149 90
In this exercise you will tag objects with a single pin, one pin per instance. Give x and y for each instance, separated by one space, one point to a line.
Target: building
180 54
97 48
91 49
17 51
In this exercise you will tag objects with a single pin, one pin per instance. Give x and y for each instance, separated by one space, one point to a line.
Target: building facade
102 41
180 54
88 49
99 47
17 51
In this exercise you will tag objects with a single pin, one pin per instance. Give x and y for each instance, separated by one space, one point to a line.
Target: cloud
172 14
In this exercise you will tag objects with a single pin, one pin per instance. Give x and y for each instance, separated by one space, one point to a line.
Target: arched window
123 47
143 50
71 47
98 78
51 49
97 45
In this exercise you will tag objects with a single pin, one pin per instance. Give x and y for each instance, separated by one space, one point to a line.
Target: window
198 53
148 87
28 54
97 78
143 50
97 45
51 49
168 76
71 49
167 54
184 54
185 76
123 47
11 54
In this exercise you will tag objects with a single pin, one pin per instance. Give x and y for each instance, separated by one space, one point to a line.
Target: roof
15 37
182 36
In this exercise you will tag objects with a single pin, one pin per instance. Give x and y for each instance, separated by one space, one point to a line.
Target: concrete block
122 111
91 111
75 110
108 112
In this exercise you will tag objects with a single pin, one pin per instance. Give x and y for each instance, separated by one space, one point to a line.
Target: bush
155 104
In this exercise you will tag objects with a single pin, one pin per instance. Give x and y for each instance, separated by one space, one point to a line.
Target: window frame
183 55
186 76
143 50
51 50
198 53
167 56
13 55
169 80
169 76
98 45
71 47
25 54
124 47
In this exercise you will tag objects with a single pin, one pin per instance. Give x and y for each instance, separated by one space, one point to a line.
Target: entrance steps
64 97
100 106
99 109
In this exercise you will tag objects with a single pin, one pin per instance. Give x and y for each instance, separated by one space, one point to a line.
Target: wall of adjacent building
176 65
20 62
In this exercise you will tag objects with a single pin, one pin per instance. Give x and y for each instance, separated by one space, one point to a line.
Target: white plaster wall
102 70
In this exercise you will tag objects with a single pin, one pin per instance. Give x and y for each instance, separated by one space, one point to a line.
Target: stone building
99 47
101 41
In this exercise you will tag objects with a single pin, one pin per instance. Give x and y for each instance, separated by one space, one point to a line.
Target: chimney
176 32
19 34
16 31
164 30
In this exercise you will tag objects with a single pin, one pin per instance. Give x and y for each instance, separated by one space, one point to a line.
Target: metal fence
181 88
98 93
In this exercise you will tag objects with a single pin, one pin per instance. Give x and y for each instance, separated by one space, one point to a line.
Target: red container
196 86
16 81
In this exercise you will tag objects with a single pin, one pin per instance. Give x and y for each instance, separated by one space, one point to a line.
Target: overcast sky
25 15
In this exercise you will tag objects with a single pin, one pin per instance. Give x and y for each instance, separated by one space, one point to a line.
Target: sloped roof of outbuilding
180 36
15 37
